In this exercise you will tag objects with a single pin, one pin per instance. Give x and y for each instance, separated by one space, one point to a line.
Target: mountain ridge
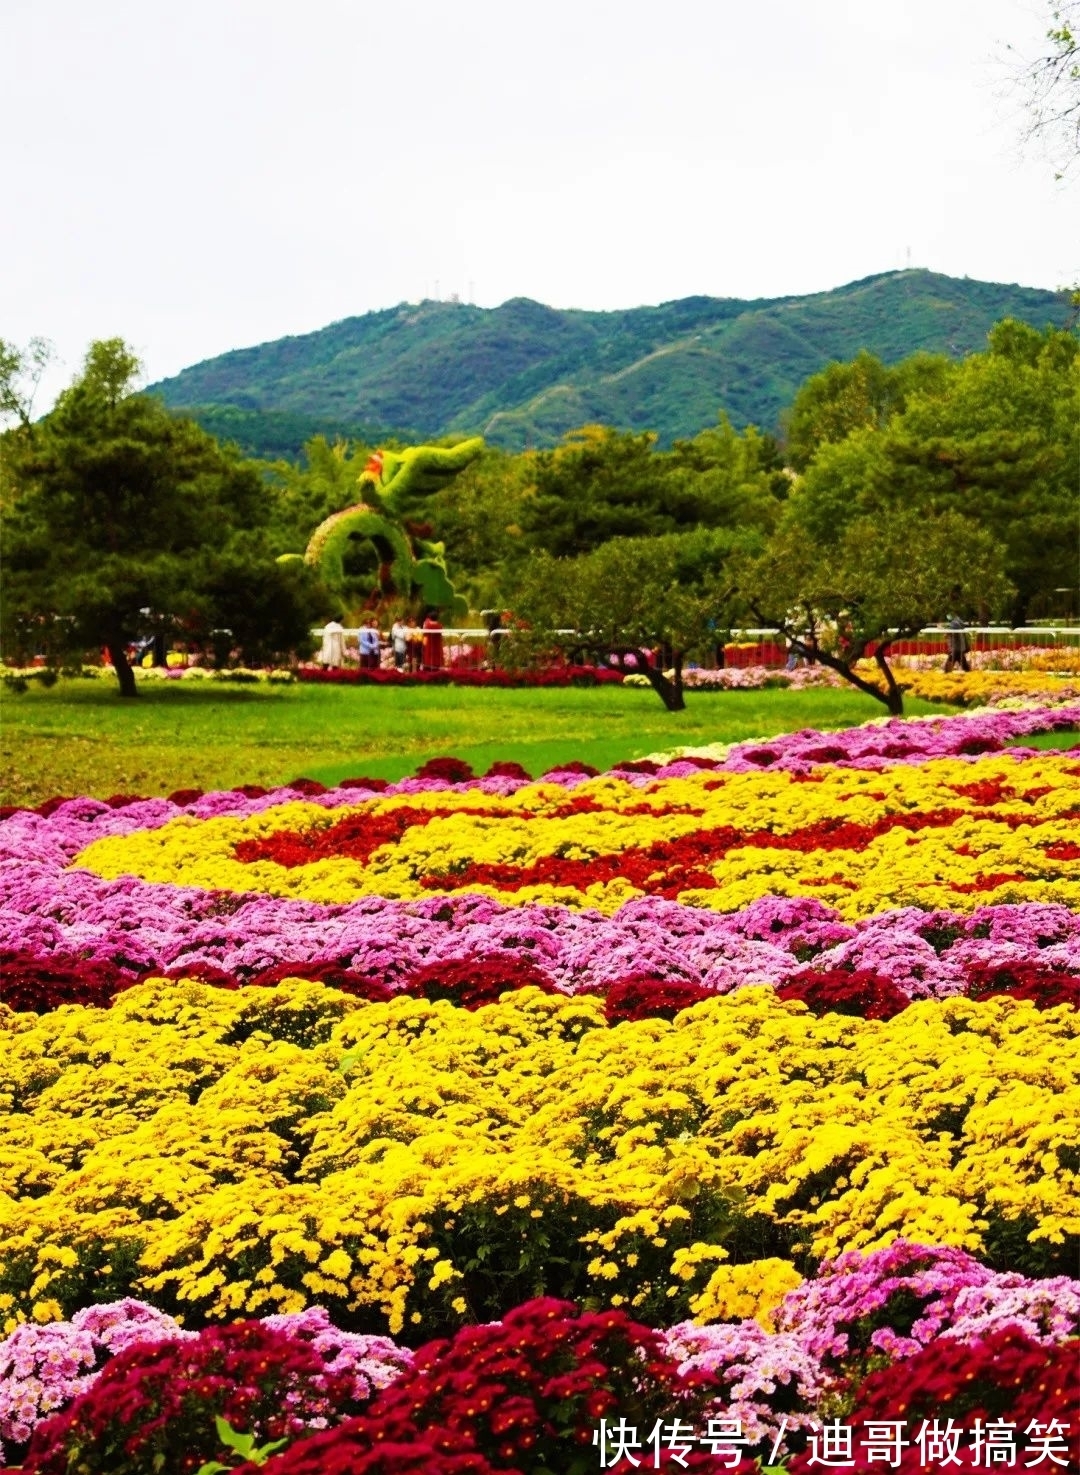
524 373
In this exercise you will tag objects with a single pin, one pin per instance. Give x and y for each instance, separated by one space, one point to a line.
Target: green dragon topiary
391 484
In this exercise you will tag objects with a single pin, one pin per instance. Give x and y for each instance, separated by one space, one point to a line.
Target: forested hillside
524 374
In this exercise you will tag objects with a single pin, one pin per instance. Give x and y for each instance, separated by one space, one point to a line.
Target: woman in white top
399 639
333 643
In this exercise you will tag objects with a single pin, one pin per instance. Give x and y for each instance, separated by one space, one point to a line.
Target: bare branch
1050 89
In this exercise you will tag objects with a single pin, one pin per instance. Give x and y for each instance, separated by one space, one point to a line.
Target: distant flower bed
989 687
1062 659
988 684
543 677
239 675
756 678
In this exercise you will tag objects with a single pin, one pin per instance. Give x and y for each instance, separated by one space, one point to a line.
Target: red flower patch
32 985
473 982
1046 988
642 997
1005 1376
862 993
985 791
523 1394
358 836
668 867
989 881
508 770
450 770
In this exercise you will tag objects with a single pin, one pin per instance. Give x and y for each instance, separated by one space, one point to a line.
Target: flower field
695 1115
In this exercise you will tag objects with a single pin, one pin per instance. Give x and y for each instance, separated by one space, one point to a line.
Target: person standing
369 645
399 642
957 645
332 654
415 647
433 646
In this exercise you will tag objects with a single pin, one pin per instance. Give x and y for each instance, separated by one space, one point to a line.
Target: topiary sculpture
391 485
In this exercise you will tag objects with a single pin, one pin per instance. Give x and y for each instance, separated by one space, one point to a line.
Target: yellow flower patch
972 851
362 1167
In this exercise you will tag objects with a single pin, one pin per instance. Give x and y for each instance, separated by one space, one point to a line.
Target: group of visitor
409 647
836 637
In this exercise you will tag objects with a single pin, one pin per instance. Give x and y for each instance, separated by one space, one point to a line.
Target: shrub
508 770
451 770
34 985
1044 987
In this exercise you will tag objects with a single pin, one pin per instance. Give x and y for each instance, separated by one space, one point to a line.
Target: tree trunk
892 697
117 648
669 692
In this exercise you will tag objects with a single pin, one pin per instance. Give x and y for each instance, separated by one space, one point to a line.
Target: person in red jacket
433 648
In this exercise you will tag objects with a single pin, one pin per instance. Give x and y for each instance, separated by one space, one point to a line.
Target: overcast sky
201 176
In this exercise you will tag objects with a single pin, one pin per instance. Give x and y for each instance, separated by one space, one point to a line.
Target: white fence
467 646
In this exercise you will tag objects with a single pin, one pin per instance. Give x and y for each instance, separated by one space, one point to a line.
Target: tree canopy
853 591
122 515
21 370
995 438
905 492
864 394
640 602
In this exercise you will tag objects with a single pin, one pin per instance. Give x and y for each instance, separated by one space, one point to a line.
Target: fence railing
472 648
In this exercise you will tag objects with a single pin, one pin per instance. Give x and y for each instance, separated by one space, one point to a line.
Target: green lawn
80 738
1047 740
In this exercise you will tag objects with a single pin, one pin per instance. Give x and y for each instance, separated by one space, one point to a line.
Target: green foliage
269 608
331 544
304 494
598 485
406 478
478 518
122 514
876 578
20 373
524 375
995 438
242 1445
860 395
631 596
409 565
275 435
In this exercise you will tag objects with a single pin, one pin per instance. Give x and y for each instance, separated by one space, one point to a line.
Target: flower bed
230 675
766 1059
1059 659
990 686
815 1343
548 676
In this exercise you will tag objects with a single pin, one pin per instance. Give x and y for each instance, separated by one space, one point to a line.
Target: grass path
80 738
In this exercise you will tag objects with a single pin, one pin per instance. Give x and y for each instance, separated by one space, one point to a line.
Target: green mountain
523 374
275 435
